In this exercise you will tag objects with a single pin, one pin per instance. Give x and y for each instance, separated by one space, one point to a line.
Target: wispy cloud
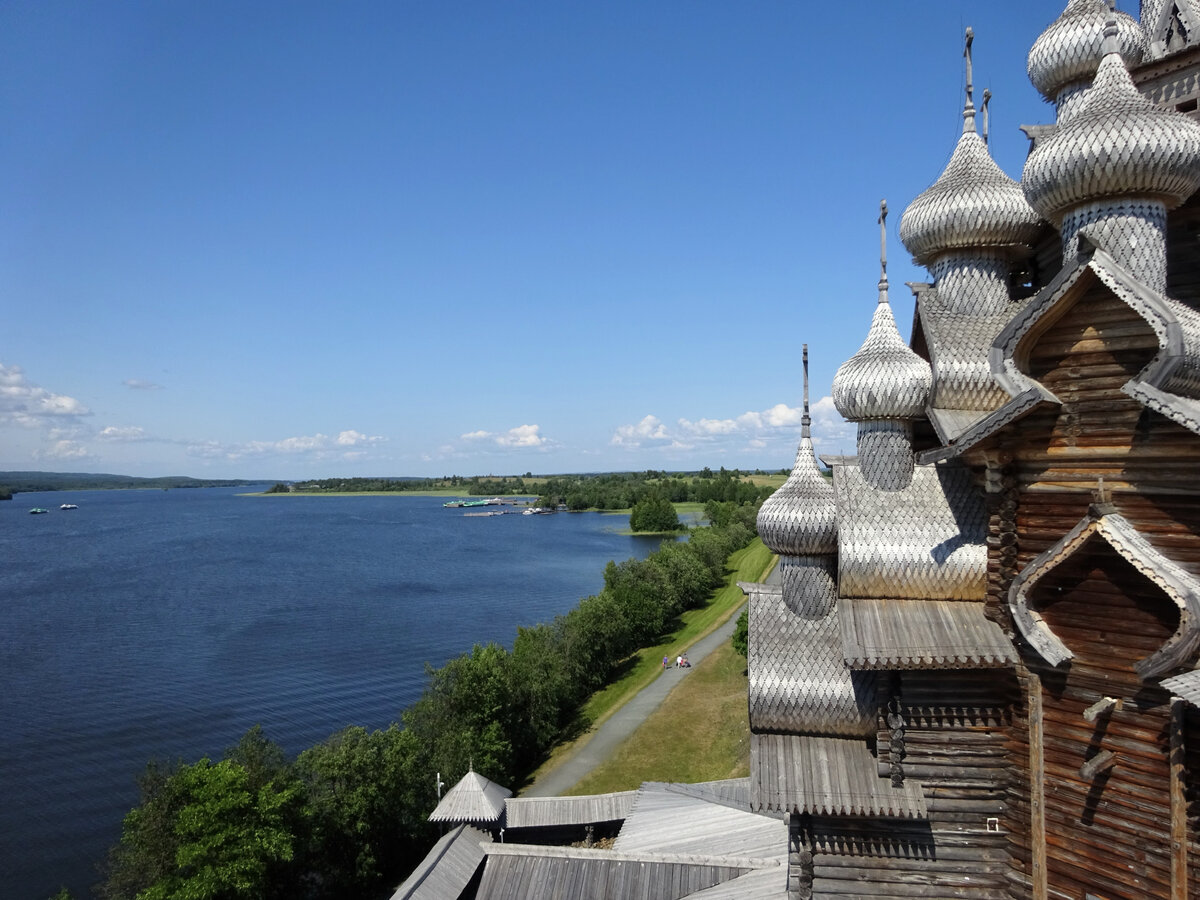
523 437
64 449
123 434
346 445
753 430
138 384
24 403
649 429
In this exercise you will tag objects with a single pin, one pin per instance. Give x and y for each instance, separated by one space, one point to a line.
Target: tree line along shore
347 817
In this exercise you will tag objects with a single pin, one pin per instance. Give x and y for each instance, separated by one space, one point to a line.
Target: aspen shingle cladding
448 869
890 634
1186 686
798 676
925 541
824 776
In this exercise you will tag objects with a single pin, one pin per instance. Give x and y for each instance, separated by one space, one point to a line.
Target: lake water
165 623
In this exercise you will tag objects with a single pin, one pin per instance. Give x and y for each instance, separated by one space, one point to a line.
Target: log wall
955 744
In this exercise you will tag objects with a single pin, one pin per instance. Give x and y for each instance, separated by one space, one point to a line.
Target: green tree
654 513
364 806
741 634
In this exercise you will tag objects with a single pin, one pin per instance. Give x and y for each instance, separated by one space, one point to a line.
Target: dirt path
622 723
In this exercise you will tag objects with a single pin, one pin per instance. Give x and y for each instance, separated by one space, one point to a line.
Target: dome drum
1133 232
885 454
973 282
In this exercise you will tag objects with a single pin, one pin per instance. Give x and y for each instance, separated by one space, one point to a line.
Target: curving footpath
622 723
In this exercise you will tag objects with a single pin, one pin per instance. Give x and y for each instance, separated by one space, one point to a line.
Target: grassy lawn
701 732
752 563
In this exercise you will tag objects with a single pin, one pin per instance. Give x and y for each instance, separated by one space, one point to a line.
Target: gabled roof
1103 522
925 541
1170 383
964 389
448 868
921 634
521 871
473 799
825 777
542 812
664 820
798 678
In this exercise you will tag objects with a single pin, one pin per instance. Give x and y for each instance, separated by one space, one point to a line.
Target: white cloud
649 429
28 404
522 436
315 446
124 433
476 435
139 384
64 450
754 430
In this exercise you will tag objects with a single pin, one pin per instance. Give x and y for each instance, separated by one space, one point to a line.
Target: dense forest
17 482
347 818
613 490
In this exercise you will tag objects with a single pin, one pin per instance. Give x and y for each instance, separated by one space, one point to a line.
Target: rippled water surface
165 623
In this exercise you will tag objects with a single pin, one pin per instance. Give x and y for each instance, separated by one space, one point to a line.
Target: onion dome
1118 143
972 205
800 518
1069 50
884 379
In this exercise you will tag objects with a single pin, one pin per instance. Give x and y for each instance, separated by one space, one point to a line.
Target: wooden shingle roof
522 871
825 777
448 867
798 676
925 541
544 812
665 820
921 634
1186 686
473 799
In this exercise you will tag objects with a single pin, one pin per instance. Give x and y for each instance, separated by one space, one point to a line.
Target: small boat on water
37 510
68 506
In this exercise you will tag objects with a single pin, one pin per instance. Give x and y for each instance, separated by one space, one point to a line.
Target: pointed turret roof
474 799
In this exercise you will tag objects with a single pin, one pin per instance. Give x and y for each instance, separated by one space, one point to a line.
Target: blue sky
289 240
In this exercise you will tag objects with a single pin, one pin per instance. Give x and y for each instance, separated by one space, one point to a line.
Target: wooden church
978 676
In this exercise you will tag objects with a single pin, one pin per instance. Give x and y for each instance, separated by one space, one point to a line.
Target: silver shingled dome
1069 50
1118 143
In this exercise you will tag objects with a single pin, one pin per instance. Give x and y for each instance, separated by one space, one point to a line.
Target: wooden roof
921 634
544 812
825 777
448 867
925 541
1186 686
798 676
666 820
473 799
521 871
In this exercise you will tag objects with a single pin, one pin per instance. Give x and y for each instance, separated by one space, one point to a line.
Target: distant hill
17 482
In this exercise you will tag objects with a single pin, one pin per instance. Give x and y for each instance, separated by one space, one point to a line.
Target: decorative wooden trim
1179 862
1037 790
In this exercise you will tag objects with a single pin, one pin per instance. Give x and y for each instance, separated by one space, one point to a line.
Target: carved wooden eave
822 776
890 634
1169 384
1180 587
